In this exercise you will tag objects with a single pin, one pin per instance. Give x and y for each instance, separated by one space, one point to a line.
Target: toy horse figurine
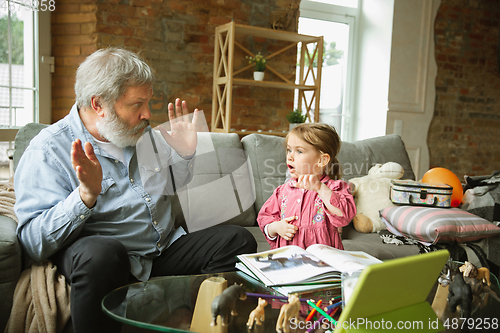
287 312
225 303
258 314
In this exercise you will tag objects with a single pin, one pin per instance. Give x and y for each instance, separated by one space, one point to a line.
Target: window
336 23
25 39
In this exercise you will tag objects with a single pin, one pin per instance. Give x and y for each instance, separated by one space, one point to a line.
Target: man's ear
97 105
324 159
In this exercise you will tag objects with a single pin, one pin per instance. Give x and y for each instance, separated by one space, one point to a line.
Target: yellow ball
445 176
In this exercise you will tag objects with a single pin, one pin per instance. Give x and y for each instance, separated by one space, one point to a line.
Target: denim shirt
51 213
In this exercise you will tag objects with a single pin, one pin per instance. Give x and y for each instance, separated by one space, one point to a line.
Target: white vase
292 125
258 76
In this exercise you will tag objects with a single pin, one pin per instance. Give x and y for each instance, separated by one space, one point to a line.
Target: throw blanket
41 301
7 200
41 298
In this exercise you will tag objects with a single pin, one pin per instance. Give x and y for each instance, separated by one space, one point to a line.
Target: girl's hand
309 182
283 228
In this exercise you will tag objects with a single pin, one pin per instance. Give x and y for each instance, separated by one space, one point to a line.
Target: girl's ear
324 159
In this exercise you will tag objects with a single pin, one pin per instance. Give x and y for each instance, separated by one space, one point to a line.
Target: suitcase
411 192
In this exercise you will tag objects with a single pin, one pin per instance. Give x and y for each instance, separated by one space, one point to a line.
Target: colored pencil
322 312
313 311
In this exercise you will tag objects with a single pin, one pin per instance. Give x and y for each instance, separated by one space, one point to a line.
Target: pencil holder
202 316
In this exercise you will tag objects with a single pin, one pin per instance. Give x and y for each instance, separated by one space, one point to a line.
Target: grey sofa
232 180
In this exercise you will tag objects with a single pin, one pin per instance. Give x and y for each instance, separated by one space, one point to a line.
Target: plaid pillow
433 225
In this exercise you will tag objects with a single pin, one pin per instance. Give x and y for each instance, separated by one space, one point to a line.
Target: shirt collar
293 181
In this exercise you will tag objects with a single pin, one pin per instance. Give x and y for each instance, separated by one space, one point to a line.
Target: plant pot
258 76
292 125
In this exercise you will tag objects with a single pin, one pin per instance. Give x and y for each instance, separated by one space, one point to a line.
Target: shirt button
155 222
116 161
158 244
156 169
131 180
298 200
82 217
148 200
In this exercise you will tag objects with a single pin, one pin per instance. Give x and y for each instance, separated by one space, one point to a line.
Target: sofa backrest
268 160
23 138
222 190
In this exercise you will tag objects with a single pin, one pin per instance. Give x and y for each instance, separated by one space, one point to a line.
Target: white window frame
42 74
347 15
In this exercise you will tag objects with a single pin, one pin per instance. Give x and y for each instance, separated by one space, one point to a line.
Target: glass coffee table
167 304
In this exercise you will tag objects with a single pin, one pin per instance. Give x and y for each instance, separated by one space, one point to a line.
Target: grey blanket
482 198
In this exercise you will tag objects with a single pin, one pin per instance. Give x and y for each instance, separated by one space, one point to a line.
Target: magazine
288 289
292 265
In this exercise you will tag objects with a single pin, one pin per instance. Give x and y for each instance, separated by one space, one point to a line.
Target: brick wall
463 135
176 37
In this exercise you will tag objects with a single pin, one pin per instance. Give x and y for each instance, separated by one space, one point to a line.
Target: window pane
16 65
343 3
333 78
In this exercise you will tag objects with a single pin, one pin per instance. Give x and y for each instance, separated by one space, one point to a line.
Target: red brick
65 29
76 18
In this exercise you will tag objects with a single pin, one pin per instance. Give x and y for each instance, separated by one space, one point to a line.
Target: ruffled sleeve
342 199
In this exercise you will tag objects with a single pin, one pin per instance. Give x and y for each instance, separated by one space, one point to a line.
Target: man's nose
146 113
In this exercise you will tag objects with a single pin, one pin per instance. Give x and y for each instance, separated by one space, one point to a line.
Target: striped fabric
433 225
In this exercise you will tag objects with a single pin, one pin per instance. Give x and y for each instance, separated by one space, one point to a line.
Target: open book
292 265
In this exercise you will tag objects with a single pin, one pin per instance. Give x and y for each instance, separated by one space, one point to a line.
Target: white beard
118 132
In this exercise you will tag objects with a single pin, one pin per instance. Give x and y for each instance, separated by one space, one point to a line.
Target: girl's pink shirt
316 225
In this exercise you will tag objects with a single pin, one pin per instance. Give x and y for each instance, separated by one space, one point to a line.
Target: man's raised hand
182 137
88 171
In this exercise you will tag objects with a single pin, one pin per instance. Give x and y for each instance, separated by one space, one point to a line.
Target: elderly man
81 201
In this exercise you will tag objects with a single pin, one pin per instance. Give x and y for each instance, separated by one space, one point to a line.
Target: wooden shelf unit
224 73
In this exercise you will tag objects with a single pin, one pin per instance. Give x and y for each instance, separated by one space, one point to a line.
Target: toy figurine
258 314
460 293
225 303
287 312
469 270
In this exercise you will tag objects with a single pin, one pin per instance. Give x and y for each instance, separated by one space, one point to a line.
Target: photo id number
472 323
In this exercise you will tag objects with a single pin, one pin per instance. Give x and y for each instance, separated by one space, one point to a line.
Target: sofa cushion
371 243
433 225
358 157
268 159
222 190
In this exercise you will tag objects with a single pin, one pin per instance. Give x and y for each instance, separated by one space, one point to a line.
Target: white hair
107 73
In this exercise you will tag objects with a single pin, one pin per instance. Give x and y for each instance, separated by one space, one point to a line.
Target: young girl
309 207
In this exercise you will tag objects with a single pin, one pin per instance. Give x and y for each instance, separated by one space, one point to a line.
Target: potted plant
296 117
259 65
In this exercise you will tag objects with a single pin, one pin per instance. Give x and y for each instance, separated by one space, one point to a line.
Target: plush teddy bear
372 193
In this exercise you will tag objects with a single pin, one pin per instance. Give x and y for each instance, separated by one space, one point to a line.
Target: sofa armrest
10 266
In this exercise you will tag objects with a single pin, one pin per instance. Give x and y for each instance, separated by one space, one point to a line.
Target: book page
287 265
343 261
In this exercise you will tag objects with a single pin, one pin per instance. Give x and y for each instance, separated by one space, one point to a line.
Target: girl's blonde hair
325 139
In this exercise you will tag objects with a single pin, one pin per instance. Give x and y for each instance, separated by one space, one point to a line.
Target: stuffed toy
372 193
